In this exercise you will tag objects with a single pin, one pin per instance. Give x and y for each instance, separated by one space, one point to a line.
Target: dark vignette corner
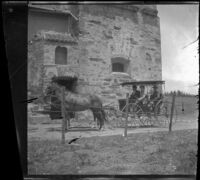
15 40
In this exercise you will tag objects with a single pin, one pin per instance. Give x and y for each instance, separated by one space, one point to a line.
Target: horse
75 102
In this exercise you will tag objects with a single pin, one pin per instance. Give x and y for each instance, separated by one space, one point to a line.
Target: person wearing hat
135 94
155 93
155 96
142 95
133 98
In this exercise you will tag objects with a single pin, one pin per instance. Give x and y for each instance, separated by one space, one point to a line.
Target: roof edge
143 82
53 10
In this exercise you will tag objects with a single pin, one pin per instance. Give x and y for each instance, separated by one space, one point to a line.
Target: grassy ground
189 104
153 153
144 153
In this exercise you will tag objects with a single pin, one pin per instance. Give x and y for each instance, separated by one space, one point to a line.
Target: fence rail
108 107
111 108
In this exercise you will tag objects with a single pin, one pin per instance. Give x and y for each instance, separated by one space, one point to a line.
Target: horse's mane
68 82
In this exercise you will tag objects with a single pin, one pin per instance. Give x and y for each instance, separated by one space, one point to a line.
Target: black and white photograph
113 88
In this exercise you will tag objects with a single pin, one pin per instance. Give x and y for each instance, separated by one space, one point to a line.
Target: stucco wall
52 69
38 21
35 67
105 31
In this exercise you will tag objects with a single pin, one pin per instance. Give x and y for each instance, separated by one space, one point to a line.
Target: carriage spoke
162 115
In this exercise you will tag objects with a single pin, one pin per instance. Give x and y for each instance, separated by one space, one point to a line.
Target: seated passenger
155 96
133 98
135 94
143 96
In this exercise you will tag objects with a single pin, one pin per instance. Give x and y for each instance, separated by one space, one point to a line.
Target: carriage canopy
143 83
147 84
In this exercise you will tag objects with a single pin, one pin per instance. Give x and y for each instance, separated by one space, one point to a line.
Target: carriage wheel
167 120
136 116
114 116
159 113
162 115
123 116
142 116
151 115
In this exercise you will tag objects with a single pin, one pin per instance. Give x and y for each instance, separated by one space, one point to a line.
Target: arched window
120 64
61 55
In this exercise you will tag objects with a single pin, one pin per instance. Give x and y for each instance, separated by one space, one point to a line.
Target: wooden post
63 114
127 107
172 112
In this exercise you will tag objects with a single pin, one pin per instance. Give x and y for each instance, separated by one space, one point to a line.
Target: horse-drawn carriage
145 113
148 112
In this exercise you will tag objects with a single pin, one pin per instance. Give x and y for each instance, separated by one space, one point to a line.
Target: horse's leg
98 112
96 118
102 118
98 123
104 115
99 119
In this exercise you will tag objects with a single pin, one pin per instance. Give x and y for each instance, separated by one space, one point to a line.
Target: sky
179 27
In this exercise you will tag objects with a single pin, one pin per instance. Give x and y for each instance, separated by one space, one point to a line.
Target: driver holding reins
135 94
134 97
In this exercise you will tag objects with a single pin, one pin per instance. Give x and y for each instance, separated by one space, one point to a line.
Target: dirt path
52 130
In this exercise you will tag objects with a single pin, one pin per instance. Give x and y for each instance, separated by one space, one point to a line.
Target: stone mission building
103 45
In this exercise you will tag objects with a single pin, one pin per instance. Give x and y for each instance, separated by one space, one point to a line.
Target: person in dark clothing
133 98
143 97
142 93
135 94
155 96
